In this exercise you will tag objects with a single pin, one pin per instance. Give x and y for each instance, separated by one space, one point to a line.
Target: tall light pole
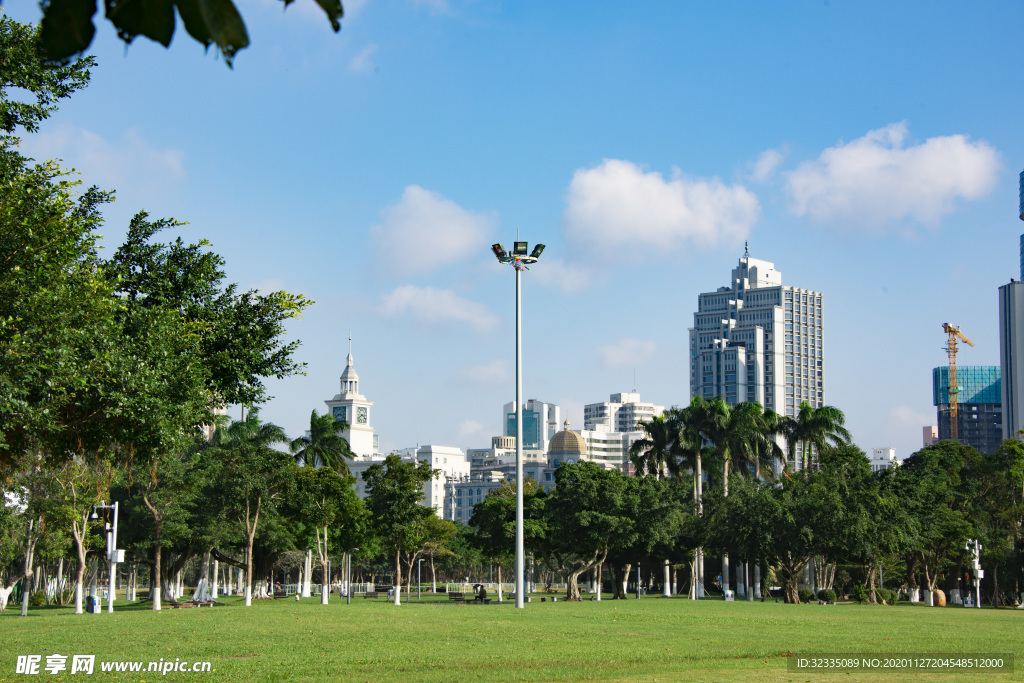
113 555
519 260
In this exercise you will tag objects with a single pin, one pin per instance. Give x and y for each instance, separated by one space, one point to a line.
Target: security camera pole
519 260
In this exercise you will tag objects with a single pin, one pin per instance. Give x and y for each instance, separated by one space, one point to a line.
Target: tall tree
494 525
394 490
327 501
324 446
587 514
256 476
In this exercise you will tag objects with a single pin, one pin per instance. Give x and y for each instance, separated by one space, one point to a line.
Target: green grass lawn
652 639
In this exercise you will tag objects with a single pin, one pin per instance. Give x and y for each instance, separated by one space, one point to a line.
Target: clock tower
352 407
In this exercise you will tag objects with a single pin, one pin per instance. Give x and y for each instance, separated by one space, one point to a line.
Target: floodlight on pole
519 258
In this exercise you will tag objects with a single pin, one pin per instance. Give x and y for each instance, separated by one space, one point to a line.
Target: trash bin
92 604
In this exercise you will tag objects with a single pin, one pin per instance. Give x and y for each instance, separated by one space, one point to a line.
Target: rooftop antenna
350 342
746 249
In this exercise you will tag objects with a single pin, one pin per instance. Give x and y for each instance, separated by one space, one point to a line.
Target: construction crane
953 331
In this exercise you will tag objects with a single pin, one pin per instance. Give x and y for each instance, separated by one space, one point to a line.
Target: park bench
370 594
457 597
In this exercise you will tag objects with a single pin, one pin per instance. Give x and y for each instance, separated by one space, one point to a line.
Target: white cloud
430 305
626 353
424 231
363 62
555 272
907 417
766 165
129 164
618 205
494 372
470 428
874 181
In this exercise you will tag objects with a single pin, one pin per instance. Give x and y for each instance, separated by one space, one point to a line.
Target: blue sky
870 150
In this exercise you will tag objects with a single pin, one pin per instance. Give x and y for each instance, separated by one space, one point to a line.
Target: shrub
827 595
860 593
888 595
37 599
806 595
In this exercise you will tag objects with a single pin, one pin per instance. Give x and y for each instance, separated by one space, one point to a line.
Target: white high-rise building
352 407
758 340
621 413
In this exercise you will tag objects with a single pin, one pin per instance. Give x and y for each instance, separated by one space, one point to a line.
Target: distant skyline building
979 405
759 340
930 435
883 459
540 423
622 412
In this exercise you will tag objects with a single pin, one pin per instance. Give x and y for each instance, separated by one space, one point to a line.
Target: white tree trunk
214 590
5 594
666 590
757 580
306 573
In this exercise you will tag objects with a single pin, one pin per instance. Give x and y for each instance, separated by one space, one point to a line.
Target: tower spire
746 249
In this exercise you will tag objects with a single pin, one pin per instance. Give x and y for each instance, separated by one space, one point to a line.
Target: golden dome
568 441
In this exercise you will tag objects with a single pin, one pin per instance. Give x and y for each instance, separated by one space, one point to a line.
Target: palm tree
323 446
751 443
815 428
655 453
256 475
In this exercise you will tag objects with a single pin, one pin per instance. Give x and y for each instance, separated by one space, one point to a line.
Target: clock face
339 414
361 415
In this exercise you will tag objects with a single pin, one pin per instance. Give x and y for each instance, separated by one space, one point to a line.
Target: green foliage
394 490
239 333
886 594
67 25
827 595
812 428
23 67
806 595
37 599
860 593
324 446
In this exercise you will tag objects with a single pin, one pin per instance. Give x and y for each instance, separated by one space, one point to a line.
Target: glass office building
979 405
